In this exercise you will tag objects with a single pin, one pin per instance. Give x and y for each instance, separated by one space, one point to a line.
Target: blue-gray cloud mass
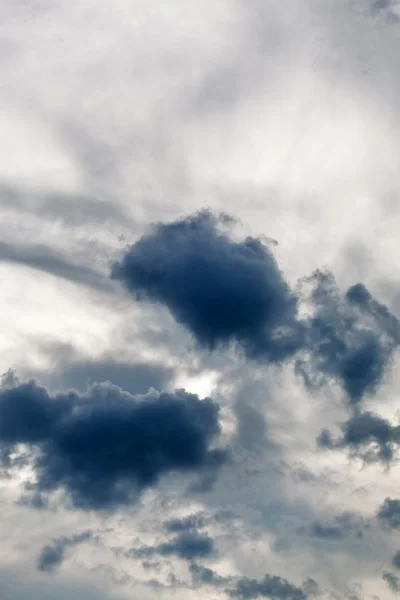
103 446
271 586
223 291
226 291
366 435
188 545
52 555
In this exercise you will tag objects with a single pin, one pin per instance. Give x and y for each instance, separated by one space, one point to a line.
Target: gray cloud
327 532
392 580
188 545
341 526
196 521
136 378
69 368
52 556
396 560
71 210
271 586
367 436
45 259
205 576
389 513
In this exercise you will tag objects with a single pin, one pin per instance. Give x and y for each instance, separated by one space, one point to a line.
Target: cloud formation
350 339
46 259
340 527
52 556
188 545
227 291
389 513
205 576
392 580
221 290
271 586
396 560
327 532
196 521
104 446
367 436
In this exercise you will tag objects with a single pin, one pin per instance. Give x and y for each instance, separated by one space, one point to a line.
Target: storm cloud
105 446
226 291
221 290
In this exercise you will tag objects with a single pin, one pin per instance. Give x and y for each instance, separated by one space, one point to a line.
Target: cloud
384 7
188 545
222 291
392 580
226 291
396 560
43 258
15 587
367 436
196 521
104 446
327 532
389 513
71 210
252 429
79 373
271 586
350 338
53 555
205 576
343 525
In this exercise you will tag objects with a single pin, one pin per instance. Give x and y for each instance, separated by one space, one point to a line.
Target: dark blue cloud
365 435
226 291
221 290
389 513
191 522
104 446
188 545
271 586
349 339
52 556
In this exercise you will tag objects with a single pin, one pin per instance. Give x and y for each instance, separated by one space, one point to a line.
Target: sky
200 313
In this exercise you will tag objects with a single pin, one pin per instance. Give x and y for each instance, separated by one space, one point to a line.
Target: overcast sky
199 236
